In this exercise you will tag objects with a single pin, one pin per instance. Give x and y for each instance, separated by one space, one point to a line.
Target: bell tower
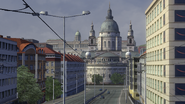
92 39
130 39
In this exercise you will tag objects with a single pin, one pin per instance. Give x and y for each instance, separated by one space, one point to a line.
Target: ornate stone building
108 49
109 57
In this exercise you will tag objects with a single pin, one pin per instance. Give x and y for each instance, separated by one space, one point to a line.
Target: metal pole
94 77
76 83
84 82
64 66
145 83
53 87
126 80
103 77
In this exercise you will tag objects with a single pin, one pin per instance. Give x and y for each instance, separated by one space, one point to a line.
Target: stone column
23 59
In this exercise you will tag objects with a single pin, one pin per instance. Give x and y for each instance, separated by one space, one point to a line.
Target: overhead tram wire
37 14
51 28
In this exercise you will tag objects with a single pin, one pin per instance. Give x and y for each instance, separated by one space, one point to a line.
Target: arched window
91 41
109 44
130 40
113 44
104 43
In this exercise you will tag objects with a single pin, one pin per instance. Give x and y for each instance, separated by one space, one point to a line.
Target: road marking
120 96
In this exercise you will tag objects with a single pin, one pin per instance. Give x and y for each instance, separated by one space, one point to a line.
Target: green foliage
49 88
117 78
98 78
28 90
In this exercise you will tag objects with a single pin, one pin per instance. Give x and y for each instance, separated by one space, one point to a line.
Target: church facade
107 50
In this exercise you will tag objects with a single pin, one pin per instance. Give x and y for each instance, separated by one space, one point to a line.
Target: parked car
108 92
100 89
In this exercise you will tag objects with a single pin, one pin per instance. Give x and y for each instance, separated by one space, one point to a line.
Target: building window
164 87
109 75
20 56
26 57
163 19
164 37
163 4
52 71
104 43
31 67
164 53
157 9
113 44
164 70
47 71
31 57
160 6
51 63
109 44
179 15
91 41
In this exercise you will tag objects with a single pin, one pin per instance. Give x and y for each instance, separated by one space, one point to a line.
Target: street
116 96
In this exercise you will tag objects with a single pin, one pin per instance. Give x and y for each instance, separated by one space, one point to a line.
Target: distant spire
130 25
109 13
92 26
109 4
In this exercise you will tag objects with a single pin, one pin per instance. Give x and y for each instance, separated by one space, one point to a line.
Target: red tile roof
49 51
21 44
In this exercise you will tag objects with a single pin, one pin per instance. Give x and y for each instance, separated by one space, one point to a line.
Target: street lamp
53 85
103 73
76 83
128 56
87 56
46 14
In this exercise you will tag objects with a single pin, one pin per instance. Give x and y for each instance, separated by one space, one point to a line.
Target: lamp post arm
63 16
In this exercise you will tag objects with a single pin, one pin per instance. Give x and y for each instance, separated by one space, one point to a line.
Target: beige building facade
165 31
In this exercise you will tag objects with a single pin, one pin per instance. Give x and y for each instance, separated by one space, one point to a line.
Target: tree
98 78
49 88
117 78
28 89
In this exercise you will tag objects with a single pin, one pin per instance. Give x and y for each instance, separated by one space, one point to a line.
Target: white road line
120 96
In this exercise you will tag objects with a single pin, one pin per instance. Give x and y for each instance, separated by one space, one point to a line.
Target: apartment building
33 58
133 79
141 76
165 31
8 70
52 62
74 72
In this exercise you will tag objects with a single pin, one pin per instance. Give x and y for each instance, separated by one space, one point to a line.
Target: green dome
109 25
77 33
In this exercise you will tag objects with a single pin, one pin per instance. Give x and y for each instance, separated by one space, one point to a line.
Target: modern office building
141 76
8 70
74 74
32 57
165 31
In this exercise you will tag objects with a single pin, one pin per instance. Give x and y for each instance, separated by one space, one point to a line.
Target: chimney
22 38
8 36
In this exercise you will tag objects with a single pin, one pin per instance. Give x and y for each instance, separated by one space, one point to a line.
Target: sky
18 25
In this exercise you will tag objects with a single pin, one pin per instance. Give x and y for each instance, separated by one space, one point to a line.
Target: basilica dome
109 25
77 33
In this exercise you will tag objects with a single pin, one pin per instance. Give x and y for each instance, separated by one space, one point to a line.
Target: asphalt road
116 96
